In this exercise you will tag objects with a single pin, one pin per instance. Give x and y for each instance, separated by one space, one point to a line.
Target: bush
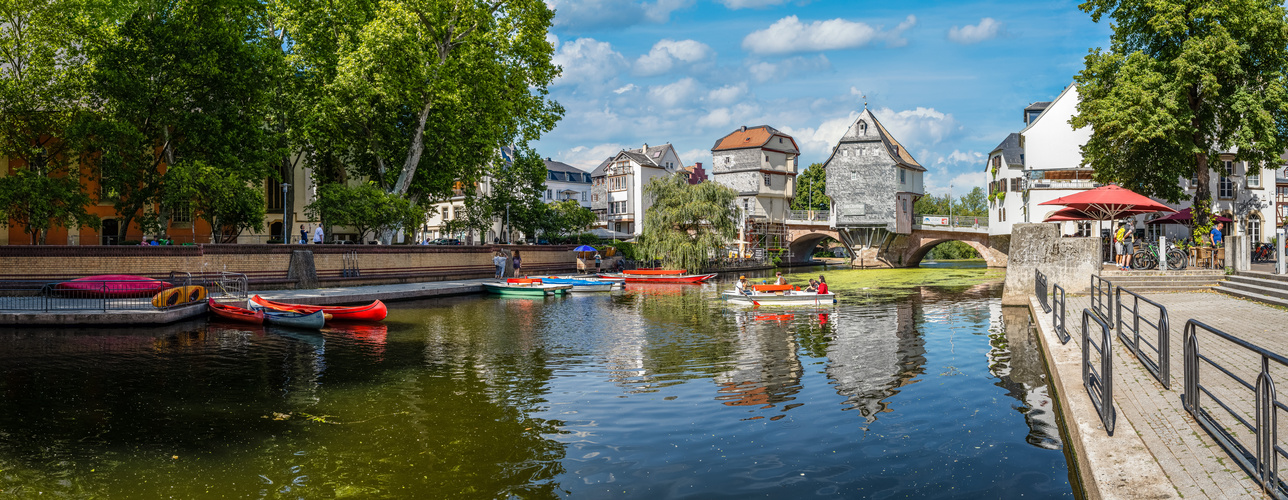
624 249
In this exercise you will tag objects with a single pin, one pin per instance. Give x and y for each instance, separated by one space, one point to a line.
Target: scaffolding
765 237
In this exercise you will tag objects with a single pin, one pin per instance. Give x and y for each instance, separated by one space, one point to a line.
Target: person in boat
822 284
813 286
741 286
781 280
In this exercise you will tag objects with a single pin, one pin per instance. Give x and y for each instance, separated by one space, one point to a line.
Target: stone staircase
1260 286
1189 280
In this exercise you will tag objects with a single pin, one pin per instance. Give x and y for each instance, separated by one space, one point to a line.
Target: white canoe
791 299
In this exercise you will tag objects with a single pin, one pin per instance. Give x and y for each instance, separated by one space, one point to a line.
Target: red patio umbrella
1068 214
1185 217
1110 203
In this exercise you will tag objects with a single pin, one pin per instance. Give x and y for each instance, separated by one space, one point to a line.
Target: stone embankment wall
267 265
1069 262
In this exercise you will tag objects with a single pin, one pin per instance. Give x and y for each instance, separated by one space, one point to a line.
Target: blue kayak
312 321
580 285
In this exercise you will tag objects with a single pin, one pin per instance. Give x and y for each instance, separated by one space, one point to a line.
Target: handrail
1099 382
1102 298
1040 289
1262 463
1058 313
1129 333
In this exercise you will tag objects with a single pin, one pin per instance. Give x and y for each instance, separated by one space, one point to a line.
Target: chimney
742 128
644 149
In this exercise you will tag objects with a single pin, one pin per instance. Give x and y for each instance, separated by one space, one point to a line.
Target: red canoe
375 311
113 285
234 313
690 278
655 272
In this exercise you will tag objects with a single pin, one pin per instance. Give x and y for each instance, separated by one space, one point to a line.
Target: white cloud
765 71
727 94
751 4
719 117
789 35
819 140
587 158
588 62
688 158
601 14
622 90
918 127
958 156
958 185
674 94
987 29
666 53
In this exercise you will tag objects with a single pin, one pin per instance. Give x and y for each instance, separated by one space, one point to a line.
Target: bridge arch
916 245
802 245
918 254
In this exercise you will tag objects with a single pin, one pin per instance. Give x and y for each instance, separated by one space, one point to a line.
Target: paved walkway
1191 459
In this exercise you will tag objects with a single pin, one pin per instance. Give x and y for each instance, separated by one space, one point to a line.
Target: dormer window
863 127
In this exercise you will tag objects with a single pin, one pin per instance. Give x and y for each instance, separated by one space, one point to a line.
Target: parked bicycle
1147 258
1264 252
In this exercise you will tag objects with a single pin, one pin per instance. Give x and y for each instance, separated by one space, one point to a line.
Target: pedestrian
304 235
317 235
1128 245
518 261
822 285
1214 237
1120 239
498 260
599 261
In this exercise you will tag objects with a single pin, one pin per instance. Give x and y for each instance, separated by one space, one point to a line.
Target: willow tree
1183 81
687 223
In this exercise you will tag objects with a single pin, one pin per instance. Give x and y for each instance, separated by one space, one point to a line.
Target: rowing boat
234 313
583 285
112 285
660 278
312 321
375 311
525 287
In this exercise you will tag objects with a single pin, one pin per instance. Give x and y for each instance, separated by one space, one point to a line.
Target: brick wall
394 263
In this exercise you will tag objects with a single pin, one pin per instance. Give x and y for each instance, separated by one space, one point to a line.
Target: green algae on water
881 284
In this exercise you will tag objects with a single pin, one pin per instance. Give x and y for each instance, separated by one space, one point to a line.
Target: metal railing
1099 382
1040 289
955 221
1261 460
1159 363
1102 298
217 283
1058 313
111 295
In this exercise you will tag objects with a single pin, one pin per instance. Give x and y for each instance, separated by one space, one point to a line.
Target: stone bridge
879 248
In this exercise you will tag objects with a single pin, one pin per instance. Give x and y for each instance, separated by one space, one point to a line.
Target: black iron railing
1102 298
1155 356
1099 381
1040 289
1260 460
112 295
1058 313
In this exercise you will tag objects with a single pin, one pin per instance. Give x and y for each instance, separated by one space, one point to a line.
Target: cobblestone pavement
1189 455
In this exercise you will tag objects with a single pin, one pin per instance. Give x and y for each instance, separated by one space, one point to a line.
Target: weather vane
865 101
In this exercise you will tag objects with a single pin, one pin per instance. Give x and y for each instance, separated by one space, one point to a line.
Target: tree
229 205
516 190
811 189
366 208
1183 81
42 95
568 218
687 223
417 95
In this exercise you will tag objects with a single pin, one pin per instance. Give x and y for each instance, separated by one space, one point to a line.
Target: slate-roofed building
872 181
617 188
1006 186
566 182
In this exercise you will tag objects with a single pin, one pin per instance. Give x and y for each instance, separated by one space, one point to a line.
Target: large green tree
42 95
1182 81
365 207
417 95
811 189
687 224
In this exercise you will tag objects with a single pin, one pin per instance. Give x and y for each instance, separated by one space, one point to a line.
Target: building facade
872 180
617 188
759 163
566 182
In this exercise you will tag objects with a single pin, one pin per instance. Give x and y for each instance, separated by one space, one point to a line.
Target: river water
660 391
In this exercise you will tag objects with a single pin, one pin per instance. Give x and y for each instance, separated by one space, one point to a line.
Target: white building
566 182
617 191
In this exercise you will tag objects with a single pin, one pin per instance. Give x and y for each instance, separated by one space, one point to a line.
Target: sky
948 79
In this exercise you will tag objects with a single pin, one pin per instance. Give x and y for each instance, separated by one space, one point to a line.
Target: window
584 194
767 181
1254 228
181 213
1254 180
1015 184
273 197
903 176
1225 187
549 194
1153 231
1084 229
997 161
766 158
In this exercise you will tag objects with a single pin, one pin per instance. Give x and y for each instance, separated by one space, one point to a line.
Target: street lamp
285 223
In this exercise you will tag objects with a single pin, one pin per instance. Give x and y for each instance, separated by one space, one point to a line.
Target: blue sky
948 79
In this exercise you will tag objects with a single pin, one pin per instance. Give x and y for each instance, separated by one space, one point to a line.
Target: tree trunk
1202 174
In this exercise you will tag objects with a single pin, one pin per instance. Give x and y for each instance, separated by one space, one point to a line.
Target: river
918 384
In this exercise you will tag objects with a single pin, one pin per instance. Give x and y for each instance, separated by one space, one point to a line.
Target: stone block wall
861 181
1070 262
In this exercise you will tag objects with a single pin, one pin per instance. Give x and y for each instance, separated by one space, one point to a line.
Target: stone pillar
1070 262
302 269
1238 253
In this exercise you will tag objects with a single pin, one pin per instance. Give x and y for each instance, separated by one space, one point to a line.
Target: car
445 241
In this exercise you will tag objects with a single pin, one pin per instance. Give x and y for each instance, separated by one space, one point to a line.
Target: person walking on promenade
304 235
498 261
317 235
518 261
1120 237
599 262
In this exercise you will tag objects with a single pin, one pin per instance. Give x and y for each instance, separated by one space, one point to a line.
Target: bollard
1280 263
1162 253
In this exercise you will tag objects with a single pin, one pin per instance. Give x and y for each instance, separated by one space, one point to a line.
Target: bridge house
759 163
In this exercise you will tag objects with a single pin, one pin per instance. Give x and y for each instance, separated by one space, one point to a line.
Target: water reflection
875 350
1017 362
